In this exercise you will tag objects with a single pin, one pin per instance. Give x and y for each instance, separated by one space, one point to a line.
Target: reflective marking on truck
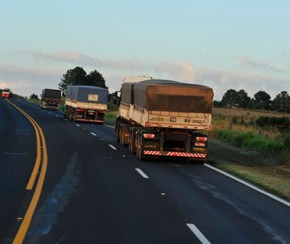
175 154
185 154
149 152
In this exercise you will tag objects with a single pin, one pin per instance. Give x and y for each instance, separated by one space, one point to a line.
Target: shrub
235 120
283 123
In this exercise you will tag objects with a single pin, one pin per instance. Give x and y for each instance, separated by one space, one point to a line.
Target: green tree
262 100
78 76
217 104
281 102
243 100
33 96
236 99
230 99
96 79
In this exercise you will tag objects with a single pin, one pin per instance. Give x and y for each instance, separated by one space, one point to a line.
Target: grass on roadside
110 117
268 178
267 146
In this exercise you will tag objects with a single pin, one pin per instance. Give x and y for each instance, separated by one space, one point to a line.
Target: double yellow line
41 161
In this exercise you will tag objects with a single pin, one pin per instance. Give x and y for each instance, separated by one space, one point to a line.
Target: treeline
261 101
231 99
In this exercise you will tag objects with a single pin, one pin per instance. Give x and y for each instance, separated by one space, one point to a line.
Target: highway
95 191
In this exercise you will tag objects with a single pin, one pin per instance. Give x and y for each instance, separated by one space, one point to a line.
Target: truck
6 93
50 99
164 118
86 103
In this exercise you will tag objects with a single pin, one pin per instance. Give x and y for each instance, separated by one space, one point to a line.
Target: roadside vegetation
263 132
265 137
110 117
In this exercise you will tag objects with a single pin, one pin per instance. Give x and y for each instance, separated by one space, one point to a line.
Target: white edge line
250 185
111 146
78 125
92 133
197 233
141 173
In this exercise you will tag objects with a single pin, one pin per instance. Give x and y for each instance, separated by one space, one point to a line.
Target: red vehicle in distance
6 93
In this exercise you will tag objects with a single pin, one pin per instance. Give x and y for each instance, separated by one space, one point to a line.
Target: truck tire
132 143
139 149
74 118
117 135
132 147
121 133
65 115
117 130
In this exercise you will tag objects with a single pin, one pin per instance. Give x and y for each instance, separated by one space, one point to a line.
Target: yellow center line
41 149
35 171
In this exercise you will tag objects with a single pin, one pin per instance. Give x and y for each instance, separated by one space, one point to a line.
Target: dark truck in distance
50 99
86 103
164 118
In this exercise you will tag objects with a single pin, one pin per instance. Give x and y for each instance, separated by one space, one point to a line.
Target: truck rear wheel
139 150
132 142
121 132
117 135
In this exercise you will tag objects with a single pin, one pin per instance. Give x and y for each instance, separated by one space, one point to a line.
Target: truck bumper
176 154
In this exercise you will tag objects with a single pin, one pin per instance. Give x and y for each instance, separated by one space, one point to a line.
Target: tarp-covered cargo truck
86 103
164 118
50 99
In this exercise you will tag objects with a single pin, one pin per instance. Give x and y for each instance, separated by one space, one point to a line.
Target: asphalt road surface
95 191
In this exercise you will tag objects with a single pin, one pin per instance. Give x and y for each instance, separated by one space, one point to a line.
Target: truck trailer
164 118
86 103
6 93
50 99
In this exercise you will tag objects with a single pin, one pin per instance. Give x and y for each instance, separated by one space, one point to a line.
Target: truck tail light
148 136
201 138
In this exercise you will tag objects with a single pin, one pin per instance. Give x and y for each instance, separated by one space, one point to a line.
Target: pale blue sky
225 44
